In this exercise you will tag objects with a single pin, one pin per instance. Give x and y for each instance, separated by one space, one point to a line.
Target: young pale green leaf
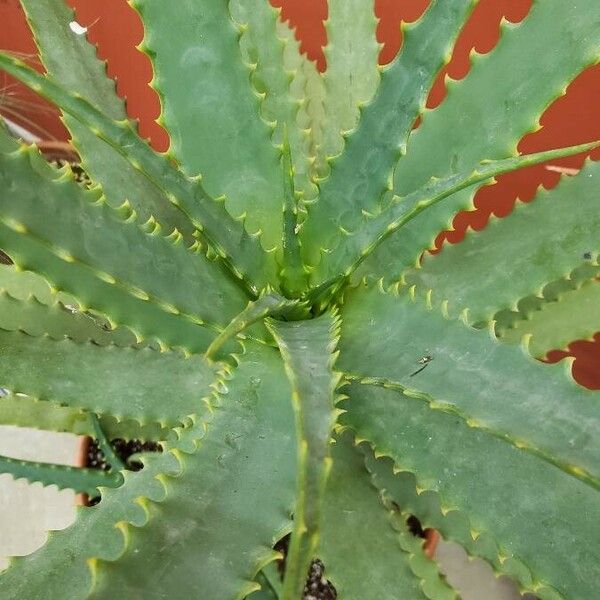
574 316
211 110
367 549
308 348
269 47
357 245
311 116
226 235
541 241
71 60
293 275
360 176
464 472
86 481
352 73
485 116
268 305
490 386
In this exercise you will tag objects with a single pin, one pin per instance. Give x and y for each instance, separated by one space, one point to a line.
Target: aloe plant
254 300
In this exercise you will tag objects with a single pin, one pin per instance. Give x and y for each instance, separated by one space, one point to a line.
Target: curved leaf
485 116
506 502
358 245
211 111
308 348
542 241
488 385
360 176
366 546
78 228
72 61
226 235
202 540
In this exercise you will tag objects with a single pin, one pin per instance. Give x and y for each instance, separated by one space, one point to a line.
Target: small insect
424 361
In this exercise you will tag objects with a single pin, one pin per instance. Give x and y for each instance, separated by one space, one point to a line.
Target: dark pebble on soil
124 449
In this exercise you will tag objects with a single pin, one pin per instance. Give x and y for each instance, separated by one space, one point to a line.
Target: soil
317 587
124 449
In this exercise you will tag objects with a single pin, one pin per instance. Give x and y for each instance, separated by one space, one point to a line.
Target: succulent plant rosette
259 301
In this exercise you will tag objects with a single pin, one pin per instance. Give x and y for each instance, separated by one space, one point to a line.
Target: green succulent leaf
485 116
467 496
134 383
247 447
49 223
366 546
352 75
574 316
87 481
308 348
478 273
268 305
270 49
357 245
71 61
23 411
212 111
226 235
359 177
311 116
293 275
493 387
51 317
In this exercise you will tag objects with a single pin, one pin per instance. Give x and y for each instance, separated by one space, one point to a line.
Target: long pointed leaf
485 116
197 531
360 176
357 245
352 75
499 501
272 51
211 110
307 348
86 481
72 61
542 241
54 214
226 235
468 373
362 535
139 383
